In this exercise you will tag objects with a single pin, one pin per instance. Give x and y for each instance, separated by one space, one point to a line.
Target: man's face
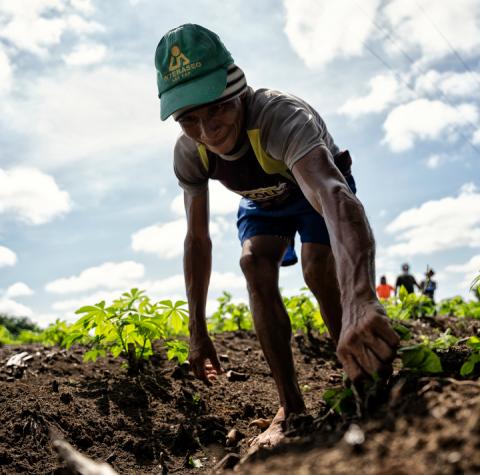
217 126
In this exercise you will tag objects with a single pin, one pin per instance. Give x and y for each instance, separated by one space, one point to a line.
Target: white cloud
14 309
384 91
166 239
417 26
226 281
6 73
476 137
433 161
19 289
321 31
438 225
83 6
69 306
36 25
90 115
31 195
7 257
43 320
449 83
110 275
222 201
172 288
423 119
469 269
175 284
87 53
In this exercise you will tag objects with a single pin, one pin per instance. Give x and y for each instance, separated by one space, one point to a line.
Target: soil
165 421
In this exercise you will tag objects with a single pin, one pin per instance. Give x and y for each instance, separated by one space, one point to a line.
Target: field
158 419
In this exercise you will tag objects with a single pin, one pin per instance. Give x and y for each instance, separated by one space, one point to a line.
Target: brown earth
164 421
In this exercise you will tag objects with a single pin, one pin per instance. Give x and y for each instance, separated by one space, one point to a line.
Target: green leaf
341 400
402 294
403 332
86 309
93 354
474 343
420 358
469 365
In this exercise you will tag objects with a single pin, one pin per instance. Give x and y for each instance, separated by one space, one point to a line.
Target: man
407 280
384 290
275 151
428 286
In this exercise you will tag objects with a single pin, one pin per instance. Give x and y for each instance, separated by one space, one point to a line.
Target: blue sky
90 207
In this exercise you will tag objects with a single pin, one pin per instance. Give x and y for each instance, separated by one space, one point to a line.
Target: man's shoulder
184 146
261 98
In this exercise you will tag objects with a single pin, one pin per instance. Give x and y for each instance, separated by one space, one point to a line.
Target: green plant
16 324
304 314
341 400
56 333
177 349
454 306
5 336
469 365
408 306
230 316
26 337
128 326
402 331
443 342
420 358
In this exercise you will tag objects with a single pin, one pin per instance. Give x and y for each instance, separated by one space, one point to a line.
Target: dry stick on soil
77 462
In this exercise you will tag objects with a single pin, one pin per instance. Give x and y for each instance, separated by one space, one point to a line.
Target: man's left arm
367 344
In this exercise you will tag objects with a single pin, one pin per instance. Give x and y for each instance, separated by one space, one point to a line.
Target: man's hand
367 344
203 359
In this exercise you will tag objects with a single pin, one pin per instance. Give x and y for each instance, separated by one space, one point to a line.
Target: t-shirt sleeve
188 167
290 130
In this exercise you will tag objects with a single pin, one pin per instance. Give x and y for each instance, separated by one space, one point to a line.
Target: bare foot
272 435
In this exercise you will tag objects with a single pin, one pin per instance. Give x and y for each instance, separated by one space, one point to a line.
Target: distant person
428 286
384 290
407 280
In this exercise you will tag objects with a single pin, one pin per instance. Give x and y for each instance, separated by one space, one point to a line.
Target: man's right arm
197 265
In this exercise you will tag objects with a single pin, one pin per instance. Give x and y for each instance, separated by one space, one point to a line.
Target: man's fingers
386 333
384 352
350 365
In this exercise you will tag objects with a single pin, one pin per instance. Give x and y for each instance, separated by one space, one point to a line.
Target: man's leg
260 261
319 272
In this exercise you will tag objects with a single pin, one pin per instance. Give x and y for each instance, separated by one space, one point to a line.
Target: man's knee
318 270
257 268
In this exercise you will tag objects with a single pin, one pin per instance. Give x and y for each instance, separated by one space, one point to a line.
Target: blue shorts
295 215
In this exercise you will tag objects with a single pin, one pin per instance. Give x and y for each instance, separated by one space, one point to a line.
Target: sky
90 206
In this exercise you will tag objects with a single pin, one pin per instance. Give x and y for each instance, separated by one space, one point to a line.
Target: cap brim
194 92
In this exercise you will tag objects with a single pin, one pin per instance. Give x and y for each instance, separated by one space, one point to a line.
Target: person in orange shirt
384 290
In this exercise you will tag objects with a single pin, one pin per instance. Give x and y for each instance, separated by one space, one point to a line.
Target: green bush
230 316
128 327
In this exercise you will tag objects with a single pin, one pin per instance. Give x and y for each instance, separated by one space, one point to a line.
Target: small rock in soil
235 376
233 437
354 435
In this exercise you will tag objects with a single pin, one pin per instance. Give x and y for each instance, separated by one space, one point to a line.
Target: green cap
191 64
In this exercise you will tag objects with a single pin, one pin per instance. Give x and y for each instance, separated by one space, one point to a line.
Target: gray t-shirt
278 125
